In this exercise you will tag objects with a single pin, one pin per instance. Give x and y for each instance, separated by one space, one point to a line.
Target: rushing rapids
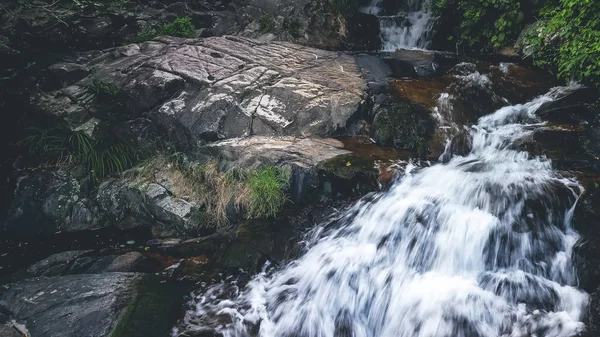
477 246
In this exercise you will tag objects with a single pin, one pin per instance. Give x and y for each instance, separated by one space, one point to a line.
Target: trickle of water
407 29
479 246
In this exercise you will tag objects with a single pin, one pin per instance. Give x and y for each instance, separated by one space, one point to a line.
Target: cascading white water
407 29
479 246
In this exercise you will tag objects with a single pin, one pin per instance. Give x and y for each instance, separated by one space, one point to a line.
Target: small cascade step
407 28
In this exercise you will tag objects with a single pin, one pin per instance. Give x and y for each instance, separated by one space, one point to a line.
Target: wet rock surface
86 304
218 88
251 101
587 252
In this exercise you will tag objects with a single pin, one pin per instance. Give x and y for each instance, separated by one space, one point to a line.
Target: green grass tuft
260 192
267 195
62 147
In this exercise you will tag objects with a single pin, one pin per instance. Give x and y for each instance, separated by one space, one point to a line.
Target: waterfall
409 28
477 246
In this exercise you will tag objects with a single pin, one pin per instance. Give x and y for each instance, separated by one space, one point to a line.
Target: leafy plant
61 146
267 195
182 27
567 40
482 24
266 23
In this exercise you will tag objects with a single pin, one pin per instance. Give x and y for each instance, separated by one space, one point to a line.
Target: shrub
181 27
266 23
482 24
59 146
567 40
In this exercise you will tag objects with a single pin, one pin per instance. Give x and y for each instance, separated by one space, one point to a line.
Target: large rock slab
70 306
217 88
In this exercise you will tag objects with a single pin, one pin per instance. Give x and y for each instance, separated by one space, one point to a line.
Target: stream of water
408 28
478 246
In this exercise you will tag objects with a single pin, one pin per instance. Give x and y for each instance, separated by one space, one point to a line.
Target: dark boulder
51 200
573 108
363 32
404 126
70 306
586 221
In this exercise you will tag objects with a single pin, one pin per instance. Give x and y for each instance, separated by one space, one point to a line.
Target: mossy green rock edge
155 309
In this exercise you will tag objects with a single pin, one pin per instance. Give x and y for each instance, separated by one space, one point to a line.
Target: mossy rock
404 126
155 310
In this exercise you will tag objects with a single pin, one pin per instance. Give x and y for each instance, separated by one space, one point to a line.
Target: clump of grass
62 147
267 195
260 192
266 23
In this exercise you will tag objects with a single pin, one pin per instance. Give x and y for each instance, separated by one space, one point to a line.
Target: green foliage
147 33
259 192
567 40
267 195
482 24
59 146
345 8
181 27
292 26
266 23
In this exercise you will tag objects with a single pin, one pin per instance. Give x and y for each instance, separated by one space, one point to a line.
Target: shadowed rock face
89 305
217 88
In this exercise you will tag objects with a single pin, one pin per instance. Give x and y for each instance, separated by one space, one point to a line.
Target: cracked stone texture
218 88
69 306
